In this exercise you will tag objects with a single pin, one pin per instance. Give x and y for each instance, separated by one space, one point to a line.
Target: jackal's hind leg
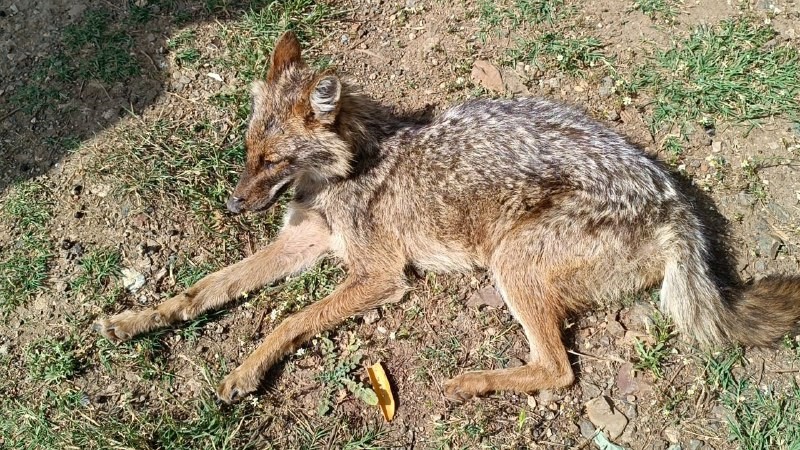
541 315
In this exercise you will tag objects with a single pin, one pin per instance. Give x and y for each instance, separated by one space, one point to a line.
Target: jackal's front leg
355 295
303 240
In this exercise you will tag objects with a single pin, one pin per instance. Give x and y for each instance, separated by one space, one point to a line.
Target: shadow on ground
72 69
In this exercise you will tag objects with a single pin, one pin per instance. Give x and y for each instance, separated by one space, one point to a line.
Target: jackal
562 212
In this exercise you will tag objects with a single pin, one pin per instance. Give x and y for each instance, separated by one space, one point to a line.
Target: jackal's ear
325 98
286 54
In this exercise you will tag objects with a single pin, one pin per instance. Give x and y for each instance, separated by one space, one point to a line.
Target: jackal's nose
235 204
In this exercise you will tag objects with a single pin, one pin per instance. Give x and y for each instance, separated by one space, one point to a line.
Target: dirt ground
175 108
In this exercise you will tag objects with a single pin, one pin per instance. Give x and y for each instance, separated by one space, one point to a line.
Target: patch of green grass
666 9
69 419
673 146
463 429
440 359
570 54
521 12
339 368
99 51
734 71
652 355
755 185
187 56
173 160
208 425
251 39
145 355
761 417
100 268
28 206
24 264
23 271
52 360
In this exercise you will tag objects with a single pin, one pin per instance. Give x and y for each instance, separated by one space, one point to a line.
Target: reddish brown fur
560 210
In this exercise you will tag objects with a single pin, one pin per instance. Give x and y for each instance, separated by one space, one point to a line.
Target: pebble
604 416
132 280
487 296
372 316
587 429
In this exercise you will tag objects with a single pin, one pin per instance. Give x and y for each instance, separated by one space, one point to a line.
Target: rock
587 429
513 83
716 146
590 390
779 212
514 362
531 402
606 87
487 296
372 316
628 382
546 396
604 416
487 75
672 435
614 328
674 447
695 444
132 280
745 198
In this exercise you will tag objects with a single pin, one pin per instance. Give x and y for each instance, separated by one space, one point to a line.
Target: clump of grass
573 55
440 359
733 71
337 373
24 264
652 355
666 9
28 206
250 40
521 12
98 51
761 417
52 360
99 270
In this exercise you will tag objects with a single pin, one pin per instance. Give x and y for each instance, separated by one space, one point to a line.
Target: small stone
672 435
531 402
587 429
372 316
488 296
779 212
614 328
716 146
604 416
628 382
590 390
745 198
487 75
695 444
546 396
514 362
606 87
513 83
132 280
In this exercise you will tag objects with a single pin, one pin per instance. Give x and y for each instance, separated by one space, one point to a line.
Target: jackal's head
292 133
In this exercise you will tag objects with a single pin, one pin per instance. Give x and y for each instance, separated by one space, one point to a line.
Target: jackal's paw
126 325
465 386
236 385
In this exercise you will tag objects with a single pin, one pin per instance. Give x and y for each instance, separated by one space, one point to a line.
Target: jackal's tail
759 314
